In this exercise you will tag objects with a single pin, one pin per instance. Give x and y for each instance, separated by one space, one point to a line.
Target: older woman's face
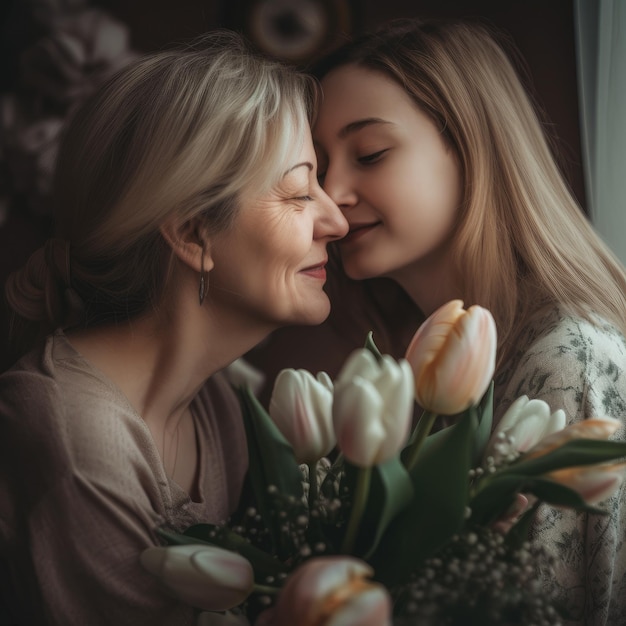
270 264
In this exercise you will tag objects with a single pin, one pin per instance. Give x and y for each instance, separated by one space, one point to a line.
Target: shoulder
59 418
576 363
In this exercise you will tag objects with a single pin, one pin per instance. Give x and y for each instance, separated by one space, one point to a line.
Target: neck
160 361
429 282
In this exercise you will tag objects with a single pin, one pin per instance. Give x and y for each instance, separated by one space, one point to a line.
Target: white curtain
601 59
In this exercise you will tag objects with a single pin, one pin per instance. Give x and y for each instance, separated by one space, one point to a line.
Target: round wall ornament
296 30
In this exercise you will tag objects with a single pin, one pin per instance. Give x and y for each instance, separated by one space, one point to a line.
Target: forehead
297 163
352 92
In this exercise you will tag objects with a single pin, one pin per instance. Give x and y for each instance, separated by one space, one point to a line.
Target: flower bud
453 356
203 576
594 483
301 407
332 591
373 407
525 424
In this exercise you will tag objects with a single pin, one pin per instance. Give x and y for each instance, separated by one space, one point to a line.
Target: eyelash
368 159
304 198
371 158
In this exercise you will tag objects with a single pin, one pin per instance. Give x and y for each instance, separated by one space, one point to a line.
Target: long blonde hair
179 133
522 241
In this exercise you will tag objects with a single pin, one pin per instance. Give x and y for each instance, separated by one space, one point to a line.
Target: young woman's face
387 166
269 266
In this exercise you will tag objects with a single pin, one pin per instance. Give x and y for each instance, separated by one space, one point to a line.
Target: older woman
190 225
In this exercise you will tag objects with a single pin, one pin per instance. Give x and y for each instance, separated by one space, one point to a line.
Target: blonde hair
522 241
177 134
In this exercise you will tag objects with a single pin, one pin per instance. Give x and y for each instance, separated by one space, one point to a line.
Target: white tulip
301 407
206 577
523 426
373 407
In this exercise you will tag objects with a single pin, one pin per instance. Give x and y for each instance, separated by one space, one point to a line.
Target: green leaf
559 495
494 496
429 441
371 346
271 463
437 511
571 454
492 501
485 422
391 491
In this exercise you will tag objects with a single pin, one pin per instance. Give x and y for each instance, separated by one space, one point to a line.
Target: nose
330 224
337 185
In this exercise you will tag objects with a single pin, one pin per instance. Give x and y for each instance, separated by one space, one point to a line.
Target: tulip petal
301 407
324 379
360 363
368 608
526 423
357 414
318 588
399 412
511 417
206 577
593 428
431 337
453 358
557 422
465 366
594 483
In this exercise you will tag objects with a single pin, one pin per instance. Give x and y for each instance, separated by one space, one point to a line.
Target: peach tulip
595 428
332 591
203 576
372 407
453 356
594 483
301 407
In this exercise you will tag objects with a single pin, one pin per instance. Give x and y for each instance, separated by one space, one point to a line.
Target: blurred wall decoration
74 48
294 30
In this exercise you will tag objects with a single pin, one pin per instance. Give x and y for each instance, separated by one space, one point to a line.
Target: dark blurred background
54 52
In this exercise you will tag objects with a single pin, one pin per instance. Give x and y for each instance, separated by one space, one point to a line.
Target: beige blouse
83 488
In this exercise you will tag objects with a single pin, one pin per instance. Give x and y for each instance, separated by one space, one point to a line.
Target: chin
314 314
355 269
355 272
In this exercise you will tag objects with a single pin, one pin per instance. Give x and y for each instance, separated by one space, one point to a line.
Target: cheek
430 193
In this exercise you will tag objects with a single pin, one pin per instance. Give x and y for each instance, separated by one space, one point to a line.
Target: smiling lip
357 231
316 271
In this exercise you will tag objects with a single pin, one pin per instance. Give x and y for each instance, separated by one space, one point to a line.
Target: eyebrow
354 127
306 164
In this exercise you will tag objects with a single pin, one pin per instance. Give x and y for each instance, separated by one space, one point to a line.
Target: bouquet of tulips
403 525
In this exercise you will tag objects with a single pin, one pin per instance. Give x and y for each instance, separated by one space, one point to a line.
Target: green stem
265 589
358 507
424 426
313 495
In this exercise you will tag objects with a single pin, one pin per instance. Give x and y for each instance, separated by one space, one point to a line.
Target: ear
187 241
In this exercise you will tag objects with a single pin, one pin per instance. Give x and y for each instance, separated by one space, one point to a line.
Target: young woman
190 225
429 144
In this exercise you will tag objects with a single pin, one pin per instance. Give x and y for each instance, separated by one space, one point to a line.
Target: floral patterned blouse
579 367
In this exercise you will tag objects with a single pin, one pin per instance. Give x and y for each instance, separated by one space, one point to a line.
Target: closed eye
371 158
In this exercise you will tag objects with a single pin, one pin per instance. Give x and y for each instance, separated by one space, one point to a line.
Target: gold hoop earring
204 279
